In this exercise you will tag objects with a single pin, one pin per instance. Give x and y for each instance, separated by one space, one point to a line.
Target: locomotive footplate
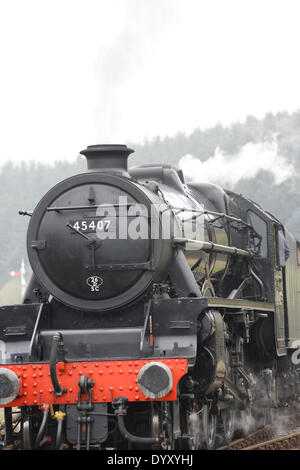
111 379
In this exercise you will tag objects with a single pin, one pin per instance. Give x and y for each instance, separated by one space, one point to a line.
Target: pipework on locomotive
159 314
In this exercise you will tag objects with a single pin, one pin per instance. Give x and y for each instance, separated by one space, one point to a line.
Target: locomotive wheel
265 416
168 429
268 415
194 430
155 425
161 425
228 424
246 421
201 428
209 427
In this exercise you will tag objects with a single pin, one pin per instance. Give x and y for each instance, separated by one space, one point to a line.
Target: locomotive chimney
108 158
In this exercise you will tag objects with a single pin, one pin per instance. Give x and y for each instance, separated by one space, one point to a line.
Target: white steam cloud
144 24
228 170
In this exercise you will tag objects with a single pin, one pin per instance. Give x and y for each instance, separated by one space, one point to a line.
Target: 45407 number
91 225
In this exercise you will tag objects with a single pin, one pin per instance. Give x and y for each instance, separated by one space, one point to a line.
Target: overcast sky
75 73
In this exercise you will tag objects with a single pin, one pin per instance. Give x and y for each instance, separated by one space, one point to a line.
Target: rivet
182 368
110 371
41 391
130 363
74 366
34 367
40 374
24 376
40 367
100 372
34 401
96 365
130 371
136 389
119 363
35 392
25 402
85 366
137 397
25 394
107 365
111 388
24 367
25 384
70 373
104 398
101 389
120 371
136 363
90 372
71 390
136 372
131 387
34 384
120 388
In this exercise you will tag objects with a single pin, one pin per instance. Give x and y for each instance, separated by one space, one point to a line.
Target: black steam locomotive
159 313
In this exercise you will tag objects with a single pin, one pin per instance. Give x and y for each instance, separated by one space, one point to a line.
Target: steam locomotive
159 314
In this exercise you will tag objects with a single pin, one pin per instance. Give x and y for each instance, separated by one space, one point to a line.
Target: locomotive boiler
158 315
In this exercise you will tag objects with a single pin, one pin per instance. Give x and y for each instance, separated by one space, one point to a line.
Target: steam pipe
259 281
210 246
182 277
120 411
42 427
59 390
130 437
59 434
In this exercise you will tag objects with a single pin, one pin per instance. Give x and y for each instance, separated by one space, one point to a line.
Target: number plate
92 225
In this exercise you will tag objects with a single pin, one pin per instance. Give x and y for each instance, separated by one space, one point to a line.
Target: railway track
288 442
283 433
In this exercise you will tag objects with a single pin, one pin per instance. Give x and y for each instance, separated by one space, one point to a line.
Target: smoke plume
228 170
144 24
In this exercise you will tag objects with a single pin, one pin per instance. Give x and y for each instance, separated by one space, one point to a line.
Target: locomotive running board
240 304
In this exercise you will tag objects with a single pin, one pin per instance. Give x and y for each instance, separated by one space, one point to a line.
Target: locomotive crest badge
94 283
